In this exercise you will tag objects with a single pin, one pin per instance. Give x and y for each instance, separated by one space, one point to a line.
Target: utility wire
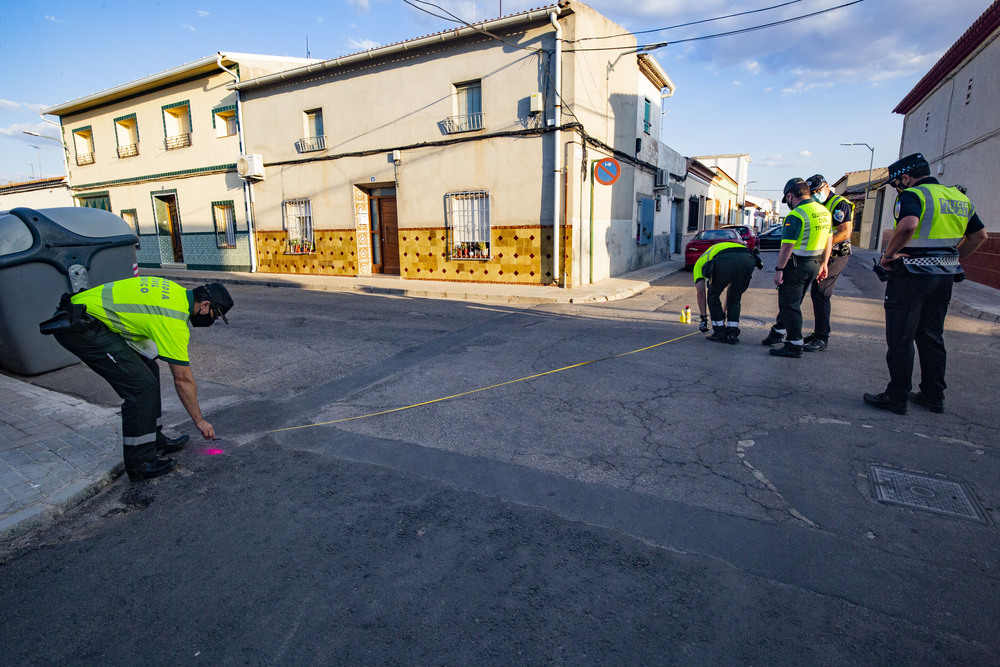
456 19
658 45
690 23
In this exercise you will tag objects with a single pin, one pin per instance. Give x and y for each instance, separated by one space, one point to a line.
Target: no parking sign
607 171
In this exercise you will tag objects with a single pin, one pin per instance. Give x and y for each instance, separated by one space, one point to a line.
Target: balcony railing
84 158
180 141
128 151
309 144
465 123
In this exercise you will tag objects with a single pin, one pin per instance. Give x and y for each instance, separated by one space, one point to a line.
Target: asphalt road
657 499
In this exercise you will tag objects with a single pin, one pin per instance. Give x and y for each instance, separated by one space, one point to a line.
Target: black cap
793 185
219 297
904 165
816 181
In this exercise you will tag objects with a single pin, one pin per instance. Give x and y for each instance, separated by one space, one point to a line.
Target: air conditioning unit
251 167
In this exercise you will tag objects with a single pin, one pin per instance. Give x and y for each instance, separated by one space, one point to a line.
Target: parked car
771 239
746 233
705 239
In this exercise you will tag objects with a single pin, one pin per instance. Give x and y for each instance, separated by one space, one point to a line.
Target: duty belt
933 264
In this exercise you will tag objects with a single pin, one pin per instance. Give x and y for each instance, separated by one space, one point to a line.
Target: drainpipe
247 185
557 168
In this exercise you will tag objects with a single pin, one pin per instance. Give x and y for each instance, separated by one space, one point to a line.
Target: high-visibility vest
944 215
816 224
144 309
708 255
833 202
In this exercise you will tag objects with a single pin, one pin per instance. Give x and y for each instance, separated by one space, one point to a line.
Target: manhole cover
926 493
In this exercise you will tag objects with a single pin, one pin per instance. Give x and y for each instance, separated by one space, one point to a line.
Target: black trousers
915 308
820 292
799 273
733 270
134 378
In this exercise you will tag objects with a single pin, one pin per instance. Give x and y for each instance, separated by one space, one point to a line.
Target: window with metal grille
131 216
127 135
177 125
314 139
83 142
296 217
469 224
224 215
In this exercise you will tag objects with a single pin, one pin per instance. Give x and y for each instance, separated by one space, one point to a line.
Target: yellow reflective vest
814 230
144 309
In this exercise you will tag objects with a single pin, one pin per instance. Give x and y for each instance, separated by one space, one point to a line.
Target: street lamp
870 164
39 159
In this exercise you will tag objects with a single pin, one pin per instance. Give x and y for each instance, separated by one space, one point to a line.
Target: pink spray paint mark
211 451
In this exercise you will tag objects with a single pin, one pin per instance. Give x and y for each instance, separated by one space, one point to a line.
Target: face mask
199 320
898 184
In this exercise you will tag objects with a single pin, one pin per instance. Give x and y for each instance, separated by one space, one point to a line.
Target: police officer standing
936 228
805 251
727 264
842 213
118 330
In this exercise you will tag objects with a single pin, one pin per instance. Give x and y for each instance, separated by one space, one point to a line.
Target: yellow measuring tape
492 386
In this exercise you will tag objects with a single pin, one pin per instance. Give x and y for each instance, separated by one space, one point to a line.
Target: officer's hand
778 277
703 327
824 271
207 431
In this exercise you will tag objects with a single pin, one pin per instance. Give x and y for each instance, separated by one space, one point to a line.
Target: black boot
165 445
733 335
773 338
718 335
788 350
149 469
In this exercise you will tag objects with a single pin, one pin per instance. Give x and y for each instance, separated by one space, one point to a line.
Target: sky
787 95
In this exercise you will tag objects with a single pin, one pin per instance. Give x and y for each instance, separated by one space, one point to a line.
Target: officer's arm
904 231
824 270
970 242
842 232
187 391
699 288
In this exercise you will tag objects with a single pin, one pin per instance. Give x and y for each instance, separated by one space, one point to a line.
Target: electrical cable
690 23
651 47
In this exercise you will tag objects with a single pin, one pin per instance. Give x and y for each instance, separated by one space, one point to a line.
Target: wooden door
389 237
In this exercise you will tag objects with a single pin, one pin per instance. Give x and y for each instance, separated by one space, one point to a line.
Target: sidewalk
56 451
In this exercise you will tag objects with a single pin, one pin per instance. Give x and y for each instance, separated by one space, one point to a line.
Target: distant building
951 116
455 157
871 220
161 152
50 192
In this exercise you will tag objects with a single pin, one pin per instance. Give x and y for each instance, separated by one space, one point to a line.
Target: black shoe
932 404
817 344
733 335
788 350
718 335
165 445
883 402
150 469
810 338
773 338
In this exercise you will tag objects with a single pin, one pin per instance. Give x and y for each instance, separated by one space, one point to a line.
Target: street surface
673 502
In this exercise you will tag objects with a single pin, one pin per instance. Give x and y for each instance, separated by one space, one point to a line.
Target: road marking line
492 386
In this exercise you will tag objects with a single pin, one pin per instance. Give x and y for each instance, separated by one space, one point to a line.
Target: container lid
89 222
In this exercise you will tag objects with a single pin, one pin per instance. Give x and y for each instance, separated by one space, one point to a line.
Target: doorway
384 231
168 224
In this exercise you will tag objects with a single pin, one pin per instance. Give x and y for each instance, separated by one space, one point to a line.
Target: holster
68 317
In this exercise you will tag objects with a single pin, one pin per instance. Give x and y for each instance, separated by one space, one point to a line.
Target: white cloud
189 27
806 153
53 19
362 44
202 13
360 6
11 105
319 19
752 66
737 83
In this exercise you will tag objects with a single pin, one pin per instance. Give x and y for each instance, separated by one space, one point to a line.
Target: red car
703 240
749 238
